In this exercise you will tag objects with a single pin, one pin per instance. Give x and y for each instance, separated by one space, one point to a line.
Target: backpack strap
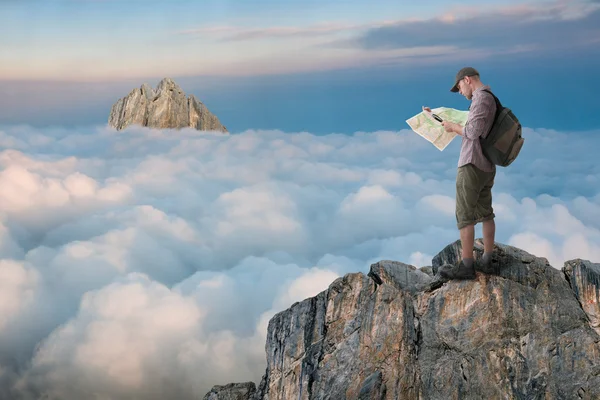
498 104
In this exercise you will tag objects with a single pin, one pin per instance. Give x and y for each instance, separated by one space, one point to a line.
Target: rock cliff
166 107
527 331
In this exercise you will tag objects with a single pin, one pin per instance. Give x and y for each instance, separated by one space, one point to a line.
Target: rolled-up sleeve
483 110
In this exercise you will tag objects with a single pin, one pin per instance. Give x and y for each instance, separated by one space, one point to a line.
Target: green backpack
504 142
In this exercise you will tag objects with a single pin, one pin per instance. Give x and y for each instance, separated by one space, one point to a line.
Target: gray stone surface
584 278
401 276
522 333
518 335
166 107
231 391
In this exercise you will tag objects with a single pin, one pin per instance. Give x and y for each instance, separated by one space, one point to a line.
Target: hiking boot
492 267
459 271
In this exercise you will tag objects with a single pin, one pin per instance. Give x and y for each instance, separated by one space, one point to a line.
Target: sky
148 262
318 66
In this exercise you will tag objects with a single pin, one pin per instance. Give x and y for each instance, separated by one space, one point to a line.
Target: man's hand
452 127
448 126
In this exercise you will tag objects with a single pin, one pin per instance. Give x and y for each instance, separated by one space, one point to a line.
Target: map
425 125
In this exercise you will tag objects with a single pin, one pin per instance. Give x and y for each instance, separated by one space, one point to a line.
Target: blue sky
336 66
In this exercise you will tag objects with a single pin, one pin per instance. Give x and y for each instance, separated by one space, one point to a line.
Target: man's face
464 87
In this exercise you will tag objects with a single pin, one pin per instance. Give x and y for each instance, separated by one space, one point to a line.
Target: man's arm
481 111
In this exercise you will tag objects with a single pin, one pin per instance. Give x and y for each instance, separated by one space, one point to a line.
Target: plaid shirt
481 118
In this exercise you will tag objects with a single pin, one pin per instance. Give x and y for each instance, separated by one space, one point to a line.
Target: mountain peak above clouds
528 331
166 107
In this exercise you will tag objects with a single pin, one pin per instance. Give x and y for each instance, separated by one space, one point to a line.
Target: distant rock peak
165 107
168 84
148 91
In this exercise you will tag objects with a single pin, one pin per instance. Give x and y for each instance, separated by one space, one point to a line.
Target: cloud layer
149 262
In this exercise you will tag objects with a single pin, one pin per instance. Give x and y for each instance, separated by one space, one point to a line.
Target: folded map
425 125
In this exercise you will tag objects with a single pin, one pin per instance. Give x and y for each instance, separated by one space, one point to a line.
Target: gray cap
466 71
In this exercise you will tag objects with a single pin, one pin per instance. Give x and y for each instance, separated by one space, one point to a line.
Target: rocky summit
524 330
166 107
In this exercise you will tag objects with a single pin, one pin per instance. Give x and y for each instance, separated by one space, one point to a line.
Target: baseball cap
466 71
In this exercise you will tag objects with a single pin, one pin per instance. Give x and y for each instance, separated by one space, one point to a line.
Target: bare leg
467 239
489 233
465 269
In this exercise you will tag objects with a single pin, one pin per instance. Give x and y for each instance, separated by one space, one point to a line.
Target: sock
468 262
487 257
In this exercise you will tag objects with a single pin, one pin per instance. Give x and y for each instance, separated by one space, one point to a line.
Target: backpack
503 142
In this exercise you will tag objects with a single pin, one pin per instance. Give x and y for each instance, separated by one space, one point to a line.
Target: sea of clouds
148 262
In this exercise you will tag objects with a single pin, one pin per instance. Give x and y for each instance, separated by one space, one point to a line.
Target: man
475 175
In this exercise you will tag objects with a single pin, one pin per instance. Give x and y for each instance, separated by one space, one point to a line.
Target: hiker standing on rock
475 175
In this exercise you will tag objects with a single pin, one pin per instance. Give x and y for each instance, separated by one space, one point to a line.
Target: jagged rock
519 334
451 254
332 344
231 391
165 107
584 278
401 276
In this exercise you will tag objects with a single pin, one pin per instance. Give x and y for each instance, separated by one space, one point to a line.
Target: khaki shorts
473 195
